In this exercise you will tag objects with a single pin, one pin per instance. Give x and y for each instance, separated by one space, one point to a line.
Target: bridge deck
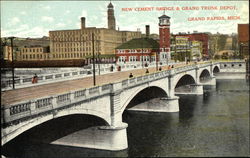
18 95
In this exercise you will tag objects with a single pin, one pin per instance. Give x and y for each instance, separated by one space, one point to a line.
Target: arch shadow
185 80
42 122
216 69
204 76
144 95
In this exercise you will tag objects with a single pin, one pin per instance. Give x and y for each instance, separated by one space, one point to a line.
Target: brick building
203 37
77 44
138 49
147 49
182 48
243 40
33 53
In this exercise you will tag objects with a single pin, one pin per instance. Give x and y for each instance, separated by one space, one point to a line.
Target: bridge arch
185 80
29 124
216 69
143 94
204 75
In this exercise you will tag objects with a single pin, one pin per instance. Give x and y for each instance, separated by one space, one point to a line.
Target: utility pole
156 58
142 54
99 60
93 51
12 63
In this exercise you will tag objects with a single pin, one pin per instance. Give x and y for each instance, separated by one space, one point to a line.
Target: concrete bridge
109 101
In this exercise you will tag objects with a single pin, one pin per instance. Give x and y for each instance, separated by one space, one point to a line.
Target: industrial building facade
78 44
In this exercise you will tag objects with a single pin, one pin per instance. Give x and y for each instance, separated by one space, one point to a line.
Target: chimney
147 31
82 22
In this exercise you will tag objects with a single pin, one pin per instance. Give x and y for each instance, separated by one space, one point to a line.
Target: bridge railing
43 78
21 110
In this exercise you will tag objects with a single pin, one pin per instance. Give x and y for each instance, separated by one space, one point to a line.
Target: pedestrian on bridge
35 79
130 75
147 71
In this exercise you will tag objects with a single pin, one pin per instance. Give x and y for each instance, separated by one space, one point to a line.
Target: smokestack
147 31
82 22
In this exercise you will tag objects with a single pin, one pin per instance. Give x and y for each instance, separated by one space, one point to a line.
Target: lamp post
142 54
93 53
12 63
156 58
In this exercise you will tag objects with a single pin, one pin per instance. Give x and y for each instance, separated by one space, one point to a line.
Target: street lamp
93 53
142 54
156 58
99 60
12 62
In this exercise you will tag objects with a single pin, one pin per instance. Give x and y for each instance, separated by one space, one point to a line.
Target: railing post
21 80
54 102
72 96
5 114
33 107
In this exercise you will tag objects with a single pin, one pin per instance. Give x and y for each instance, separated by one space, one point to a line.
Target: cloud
14 32
60 24
23 12
47 19
78 25
67 11
47 7
33 32
14 21
244 13
83 14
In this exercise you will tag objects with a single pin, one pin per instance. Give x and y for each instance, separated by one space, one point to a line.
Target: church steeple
111 17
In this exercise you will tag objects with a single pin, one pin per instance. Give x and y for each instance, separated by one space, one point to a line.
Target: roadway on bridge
29 93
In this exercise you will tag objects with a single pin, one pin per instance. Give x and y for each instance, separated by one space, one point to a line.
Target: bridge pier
197 89
116 137
172 104
212 82
100 137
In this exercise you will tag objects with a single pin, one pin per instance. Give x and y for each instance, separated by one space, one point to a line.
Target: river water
214 124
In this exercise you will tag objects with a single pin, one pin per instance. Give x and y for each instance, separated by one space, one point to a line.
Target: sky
37 18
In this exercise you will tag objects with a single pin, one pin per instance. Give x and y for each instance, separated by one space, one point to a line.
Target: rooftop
139 43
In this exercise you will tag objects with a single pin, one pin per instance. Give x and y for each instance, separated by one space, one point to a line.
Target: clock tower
164 32
111 17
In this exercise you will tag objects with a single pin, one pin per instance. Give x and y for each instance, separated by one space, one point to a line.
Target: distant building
203 37
7 53
33 53
182 48
147 49
77 44
196 50
243 40
137 50
74 44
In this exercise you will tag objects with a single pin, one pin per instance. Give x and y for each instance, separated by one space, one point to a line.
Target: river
213 124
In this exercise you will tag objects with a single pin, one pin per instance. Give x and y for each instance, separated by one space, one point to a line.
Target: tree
221 42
